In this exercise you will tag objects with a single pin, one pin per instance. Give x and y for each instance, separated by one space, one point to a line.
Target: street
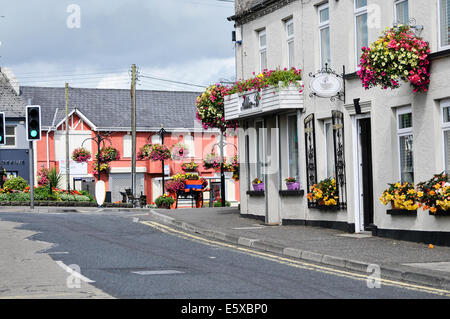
120 255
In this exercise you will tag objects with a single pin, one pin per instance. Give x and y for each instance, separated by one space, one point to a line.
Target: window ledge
300 192
440 54
401 212
255 193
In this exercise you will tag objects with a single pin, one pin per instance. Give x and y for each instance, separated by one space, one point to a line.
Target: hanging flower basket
210 108
212 161
104 168
81 155
397 55
180 151
154 152
189 167
108 154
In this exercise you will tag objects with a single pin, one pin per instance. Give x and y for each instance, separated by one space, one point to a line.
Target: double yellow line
294 262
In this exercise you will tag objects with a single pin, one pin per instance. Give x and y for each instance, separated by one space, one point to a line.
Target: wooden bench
141 200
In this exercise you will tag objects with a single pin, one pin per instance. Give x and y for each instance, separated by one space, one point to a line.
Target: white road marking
248 228
73 272
157 272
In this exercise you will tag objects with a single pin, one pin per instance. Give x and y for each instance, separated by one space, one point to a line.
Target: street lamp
162 132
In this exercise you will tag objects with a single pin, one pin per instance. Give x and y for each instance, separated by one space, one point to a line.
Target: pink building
108 111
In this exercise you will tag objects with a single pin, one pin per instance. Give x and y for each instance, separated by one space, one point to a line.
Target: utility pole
222 171
67 138
133 130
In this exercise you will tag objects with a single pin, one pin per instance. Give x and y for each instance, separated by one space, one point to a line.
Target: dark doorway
366 168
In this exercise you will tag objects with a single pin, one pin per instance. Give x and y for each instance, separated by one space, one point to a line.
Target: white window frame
396 3
401 133
262 49
289 40
259 141
445 128
358 12
127 152
441 47
189 140
322 26
325 123
288 143
15 136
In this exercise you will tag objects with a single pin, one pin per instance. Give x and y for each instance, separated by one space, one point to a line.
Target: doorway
365 173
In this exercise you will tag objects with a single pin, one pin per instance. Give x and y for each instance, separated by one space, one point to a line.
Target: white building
397 135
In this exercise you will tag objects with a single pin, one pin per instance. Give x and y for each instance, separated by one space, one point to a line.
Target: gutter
253 9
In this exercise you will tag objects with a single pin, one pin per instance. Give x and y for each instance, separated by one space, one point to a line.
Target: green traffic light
33 133
1 138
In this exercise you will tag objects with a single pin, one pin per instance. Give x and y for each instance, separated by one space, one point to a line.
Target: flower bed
397 55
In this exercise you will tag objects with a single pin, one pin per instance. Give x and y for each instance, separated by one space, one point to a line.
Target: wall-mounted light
357 106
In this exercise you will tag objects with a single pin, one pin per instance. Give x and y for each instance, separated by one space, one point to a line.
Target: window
259 148
401 11
10 136
189 141
293 146
446 132
405 141
262 50
324 34
329 148
290 42
361 31
444 23
127 145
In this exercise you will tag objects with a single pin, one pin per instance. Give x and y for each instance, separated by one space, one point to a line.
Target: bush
19 197
219 204
164 201
15 183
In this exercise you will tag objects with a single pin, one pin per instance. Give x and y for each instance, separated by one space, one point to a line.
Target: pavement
410 262
29 273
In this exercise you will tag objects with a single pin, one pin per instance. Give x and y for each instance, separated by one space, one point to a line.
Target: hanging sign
326 85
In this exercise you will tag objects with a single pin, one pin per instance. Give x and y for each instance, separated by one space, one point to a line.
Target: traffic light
2 129
33 123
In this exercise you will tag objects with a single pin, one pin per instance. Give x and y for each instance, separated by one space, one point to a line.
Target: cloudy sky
93 43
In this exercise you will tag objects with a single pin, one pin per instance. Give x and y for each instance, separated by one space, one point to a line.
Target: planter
440 212
258 187
293 186
163 207
271 99
401 212
194 184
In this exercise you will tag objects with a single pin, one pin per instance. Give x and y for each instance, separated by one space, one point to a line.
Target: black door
367 179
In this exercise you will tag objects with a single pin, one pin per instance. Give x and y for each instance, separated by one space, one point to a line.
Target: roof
110 109
10 102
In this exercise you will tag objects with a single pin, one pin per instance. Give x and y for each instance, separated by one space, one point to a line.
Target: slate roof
10 103
111 108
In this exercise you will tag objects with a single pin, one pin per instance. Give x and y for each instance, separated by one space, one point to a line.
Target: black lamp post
162 132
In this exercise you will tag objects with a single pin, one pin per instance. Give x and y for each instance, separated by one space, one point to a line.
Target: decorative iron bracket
412 23
326 70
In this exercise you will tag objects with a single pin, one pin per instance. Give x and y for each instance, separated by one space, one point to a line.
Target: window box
255 193
440 212
401 212
299 192
269 100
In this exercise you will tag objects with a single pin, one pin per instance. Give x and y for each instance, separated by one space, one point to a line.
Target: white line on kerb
73 272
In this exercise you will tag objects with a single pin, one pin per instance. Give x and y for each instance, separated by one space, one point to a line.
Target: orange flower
433 210
432 193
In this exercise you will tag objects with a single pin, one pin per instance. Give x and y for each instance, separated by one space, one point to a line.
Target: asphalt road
127 259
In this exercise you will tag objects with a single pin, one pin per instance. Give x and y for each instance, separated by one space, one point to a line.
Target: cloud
171 39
